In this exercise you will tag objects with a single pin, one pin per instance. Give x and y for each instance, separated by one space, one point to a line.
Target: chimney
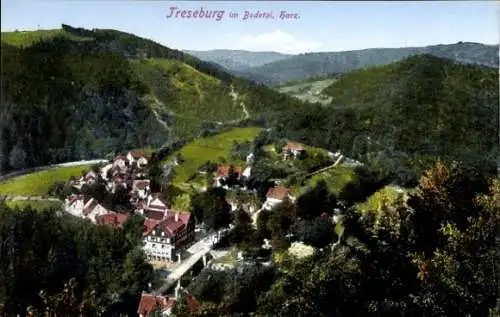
177 216
149 199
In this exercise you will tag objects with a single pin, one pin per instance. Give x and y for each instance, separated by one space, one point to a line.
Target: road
198 250
41 168
18 198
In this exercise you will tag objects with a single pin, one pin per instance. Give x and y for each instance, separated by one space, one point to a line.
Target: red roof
293 147
119 157
150 302
154 214
149 225
170 226
192 304
137 155
88 209
278 192
112 219
223 171
141 184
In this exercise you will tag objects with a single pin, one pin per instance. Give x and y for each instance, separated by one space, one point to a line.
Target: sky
310 26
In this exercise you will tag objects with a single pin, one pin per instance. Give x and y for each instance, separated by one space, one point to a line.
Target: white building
137 158
275 196
164 238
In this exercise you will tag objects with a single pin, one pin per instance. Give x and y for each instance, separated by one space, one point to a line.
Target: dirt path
235 96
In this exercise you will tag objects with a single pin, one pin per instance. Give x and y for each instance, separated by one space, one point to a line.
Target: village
172 238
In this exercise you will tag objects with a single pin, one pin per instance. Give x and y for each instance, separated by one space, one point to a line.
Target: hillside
79 94
320 64
405 114
310 90
238 60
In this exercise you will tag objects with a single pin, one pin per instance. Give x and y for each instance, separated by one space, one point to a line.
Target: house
275 196
150 303
120 161
250 159
142 188
294 150
74 204
92 209
222 174
114 219
165 238
84 207
104 171
247 172
154 204
138 158
91 177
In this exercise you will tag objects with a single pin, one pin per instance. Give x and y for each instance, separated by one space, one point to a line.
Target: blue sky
321 26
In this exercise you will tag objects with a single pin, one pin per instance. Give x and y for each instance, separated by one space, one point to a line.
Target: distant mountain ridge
238 60
303 66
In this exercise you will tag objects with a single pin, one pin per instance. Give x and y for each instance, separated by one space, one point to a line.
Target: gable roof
192 304
141 184
223 171
154 214
89 206
112 219
149 225
291 146
150 302
119 157
278 192
137 154
171 227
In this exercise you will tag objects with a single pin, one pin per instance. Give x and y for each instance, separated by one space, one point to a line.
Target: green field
35 204
383 197
26 38
38 183
311 90
336 178
214 148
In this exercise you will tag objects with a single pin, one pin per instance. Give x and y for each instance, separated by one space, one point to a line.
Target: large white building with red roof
166 233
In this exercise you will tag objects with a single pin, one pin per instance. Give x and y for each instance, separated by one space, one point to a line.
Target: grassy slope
336 178
309 90
210 149
38 183
185 94
27 38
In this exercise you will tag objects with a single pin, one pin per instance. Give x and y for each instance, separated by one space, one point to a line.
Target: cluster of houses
166 231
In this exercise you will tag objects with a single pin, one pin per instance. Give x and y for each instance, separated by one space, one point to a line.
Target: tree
211 208
318 233
316 201
244 234
17 157
136 275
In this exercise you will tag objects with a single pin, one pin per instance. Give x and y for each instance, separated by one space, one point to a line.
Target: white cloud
277 41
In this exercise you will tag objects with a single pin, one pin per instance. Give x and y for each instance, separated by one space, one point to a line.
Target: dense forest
78 94
402 116
63 266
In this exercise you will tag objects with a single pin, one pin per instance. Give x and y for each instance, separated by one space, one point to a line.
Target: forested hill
406 114
72 93
325 63
238 60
